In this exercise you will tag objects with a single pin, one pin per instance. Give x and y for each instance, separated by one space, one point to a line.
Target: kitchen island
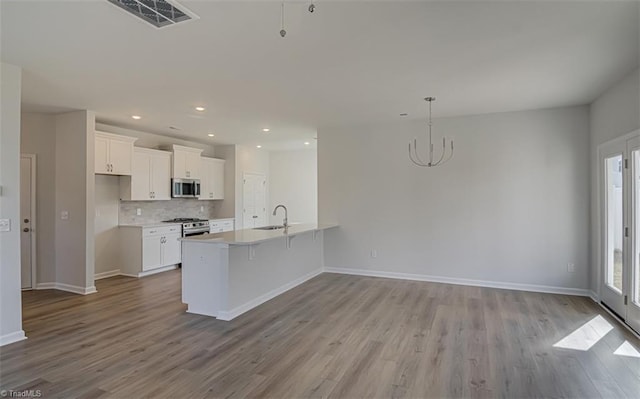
227 274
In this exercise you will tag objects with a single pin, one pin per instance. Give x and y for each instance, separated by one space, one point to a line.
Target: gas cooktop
184 220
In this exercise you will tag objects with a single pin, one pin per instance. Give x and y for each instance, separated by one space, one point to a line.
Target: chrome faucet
285 222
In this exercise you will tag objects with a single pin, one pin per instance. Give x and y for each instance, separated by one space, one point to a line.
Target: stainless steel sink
272 227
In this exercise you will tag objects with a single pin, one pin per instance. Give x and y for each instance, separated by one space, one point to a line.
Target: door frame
34 231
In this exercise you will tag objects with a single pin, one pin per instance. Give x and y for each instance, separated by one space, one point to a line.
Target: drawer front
227 226
158 231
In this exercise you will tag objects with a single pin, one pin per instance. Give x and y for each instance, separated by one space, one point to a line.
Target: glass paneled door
633 271
620 228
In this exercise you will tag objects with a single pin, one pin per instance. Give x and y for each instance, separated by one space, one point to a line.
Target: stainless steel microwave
185 188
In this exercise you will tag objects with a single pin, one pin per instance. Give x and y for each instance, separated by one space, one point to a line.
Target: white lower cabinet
149 250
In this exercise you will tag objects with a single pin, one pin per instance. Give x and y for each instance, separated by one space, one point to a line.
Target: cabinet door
216 179
192 165
101 155
120 156
161 177
140 183
151 252
171 249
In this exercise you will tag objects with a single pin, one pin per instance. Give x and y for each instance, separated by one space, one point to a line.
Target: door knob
26 230
26 220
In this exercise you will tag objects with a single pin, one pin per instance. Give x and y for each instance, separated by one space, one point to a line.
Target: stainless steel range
191 226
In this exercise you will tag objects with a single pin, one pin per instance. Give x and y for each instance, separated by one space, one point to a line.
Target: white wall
511 206
38 136
10 297
614 113
294 182
228 205
249 160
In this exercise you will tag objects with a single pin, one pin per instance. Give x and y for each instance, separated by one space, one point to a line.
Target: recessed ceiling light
200 109
258 146
404 114
210 134
306 143
136 117
266 129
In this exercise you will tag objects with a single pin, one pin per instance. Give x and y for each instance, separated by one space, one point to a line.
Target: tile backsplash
155 211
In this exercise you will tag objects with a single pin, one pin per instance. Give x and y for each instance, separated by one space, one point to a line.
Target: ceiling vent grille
159 13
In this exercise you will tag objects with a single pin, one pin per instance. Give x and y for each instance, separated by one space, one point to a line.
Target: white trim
12 337
594 296
233 313
150 272
110 273
32 225
67 287
462 281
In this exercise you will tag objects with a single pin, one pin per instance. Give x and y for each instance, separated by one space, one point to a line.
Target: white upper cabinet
113 154
211 178
186 162
150 178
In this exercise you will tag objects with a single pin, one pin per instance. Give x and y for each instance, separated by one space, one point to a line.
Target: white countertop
221 219
150 225
253 236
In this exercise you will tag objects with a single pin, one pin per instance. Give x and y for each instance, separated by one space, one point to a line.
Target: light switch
64 215
5 224
138 211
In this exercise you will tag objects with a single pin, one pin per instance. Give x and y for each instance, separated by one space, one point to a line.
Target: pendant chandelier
413 150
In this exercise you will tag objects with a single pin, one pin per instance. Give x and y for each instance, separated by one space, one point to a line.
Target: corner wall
614 114
10 296
510 209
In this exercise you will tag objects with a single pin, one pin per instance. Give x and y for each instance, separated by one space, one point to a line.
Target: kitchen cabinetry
150 249
113 154
221 225
211 178
150 177
186 162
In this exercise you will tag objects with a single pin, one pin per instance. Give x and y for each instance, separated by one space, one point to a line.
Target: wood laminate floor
334 336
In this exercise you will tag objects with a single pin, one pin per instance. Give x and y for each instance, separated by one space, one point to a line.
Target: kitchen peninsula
227 274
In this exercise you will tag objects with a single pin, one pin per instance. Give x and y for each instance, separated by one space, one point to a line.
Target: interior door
633 271
254 212
26 234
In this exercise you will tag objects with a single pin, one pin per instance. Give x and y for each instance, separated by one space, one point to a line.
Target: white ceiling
350 62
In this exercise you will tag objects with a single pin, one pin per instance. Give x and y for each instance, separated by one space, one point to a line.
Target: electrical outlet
571 267
64 215
374 253
201 208
138 211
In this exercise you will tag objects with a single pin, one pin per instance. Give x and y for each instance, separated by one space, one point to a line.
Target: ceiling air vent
159 13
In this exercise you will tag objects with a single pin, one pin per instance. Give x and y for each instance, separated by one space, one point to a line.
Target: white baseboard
233 313
594 296
110 273
150 272
13 337
462 281
67 287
